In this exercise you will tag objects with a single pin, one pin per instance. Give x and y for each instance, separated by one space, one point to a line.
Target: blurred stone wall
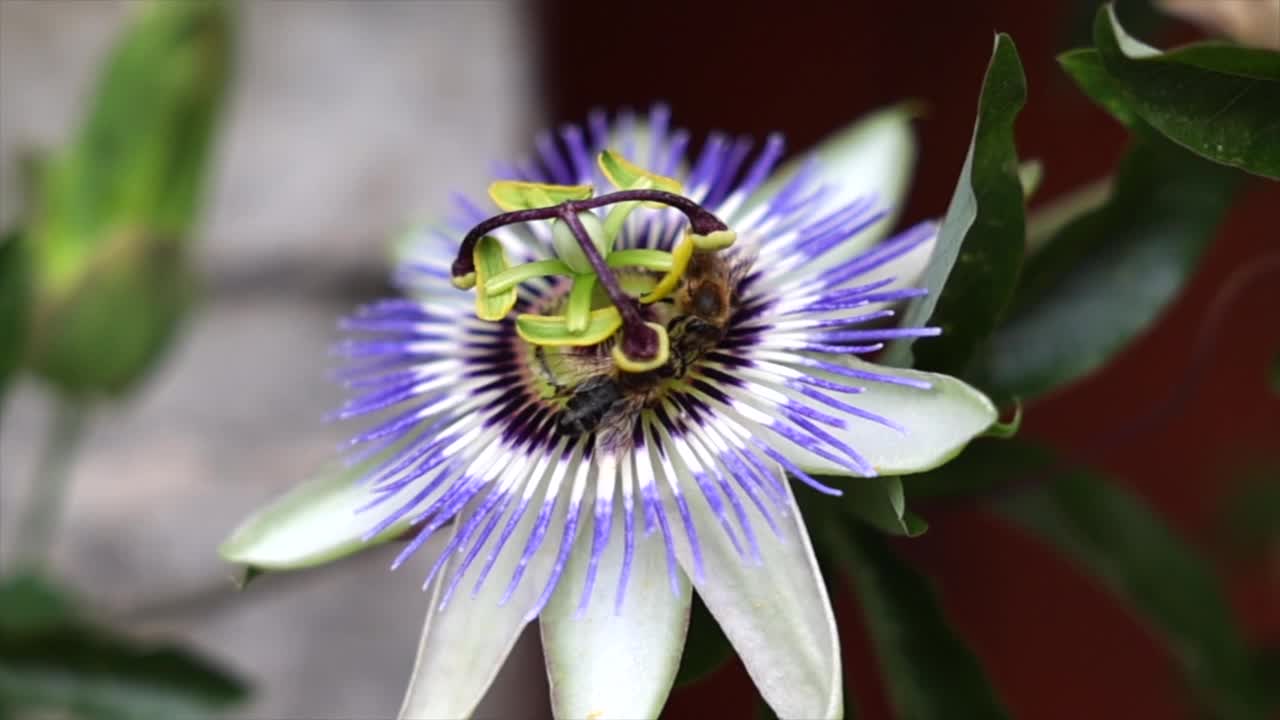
347 120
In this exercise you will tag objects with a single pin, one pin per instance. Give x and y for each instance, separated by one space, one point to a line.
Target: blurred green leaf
984 466
114 211
50 660
706 648
15 290
880 503
1116 538
929 670
1249 521
1106 276
1218 100
974 269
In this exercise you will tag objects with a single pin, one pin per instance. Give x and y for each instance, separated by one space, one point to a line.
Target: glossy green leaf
706 649
1106 276
1217 100
52 661
929 671
113 212
973 271
490 261
15 294
511 195
1086 69
1116 538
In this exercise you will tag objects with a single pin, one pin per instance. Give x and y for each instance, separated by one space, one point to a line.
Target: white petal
872 157
464 645
939 421
312 524
606 665
775 614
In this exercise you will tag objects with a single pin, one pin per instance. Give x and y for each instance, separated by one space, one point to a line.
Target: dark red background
1054 642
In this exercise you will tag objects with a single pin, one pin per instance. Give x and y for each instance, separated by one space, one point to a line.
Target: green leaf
929 670
1086 69
706 648
109 228
511 195
1117 539
51 660
1106 276
1217 100
15 294
985 466
881 503
973 271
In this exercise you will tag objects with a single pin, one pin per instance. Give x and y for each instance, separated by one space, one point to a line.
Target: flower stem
38 523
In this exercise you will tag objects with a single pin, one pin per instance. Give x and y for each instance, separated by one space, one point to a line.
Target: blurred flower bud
113 212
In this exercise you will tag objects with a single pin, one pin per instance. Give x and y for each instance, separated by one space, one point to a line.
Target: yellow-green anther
491 260
511 277
577 310
628 176
513 195
656 260
566 245
553 330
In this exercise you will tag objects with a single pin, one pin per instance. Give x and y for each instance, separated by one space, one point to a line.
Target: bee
704 304
703 307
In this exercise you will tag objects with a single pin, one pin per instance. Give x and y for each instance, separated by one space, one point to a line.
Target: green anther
517 195
512 277
577 312
656 260
718 240
627 176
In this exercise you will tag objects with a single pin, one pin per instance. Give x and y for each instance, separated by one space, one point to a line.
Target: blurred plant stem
38 523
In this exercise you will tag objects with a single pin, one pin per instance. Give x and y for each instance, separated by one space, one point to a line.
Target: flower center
598 310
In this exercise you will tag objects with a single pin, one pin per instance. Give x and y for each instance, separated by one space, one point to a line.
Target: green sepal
553 330
512 195
490 260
